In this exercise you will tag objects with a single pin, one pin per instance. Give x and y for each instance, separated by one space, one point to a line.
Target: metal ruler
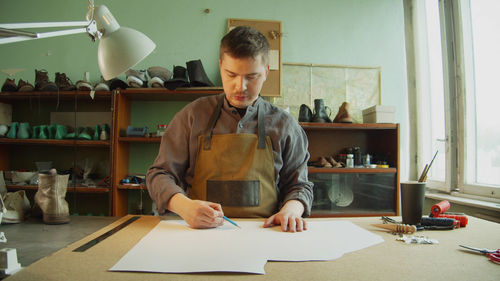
95 241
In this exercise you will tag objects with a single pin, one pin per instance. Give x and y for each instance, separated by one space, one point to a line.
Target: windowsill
457 198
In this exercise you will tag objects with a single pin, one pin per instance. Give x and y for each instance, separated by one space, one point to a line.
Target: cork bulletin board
272 31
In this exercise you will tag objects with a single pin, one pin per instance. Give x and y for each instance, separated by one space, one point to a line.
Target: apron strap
261 130
211 124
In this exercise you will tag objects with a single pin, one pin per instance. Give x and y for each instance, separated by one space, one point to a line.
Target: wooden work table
391 260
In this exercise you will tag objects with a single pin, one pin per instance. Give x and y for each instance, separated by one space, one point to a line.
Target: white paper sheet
173 247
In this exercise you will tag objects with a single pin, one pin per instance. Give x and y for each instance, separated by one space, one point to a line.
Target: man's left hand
289 217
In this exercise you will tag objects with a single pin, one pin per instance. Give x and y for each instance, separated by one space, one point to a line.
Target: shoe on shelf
17 207
84 133
102 85
159 76
36 132
24 131
305 113
3 130
320 115
179 80
61 132
137 78
104 132
24 86
12 134
44 132
197 75
9 85
64 83
42 82
84 85
116 83
51 129
334 163
343 116
73 134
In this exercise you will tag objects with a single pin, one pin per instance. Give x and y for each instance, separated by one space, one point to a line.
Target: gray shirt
173 170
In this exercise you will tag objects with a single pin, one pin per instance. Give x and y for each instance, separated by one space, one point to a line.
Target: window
457 61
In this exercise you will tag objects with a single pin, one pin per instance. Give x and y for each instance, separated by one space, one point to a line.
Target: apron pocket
234 193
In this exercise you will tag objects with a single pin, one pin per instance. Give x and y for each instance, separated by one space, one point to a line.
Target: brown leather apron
236 170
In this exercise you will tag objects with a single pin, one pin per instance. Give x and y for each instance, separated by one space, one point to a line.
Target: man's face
242 79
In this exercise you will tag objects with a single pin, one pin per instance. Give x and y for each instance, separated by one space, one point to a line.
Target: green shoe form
52 131
61 132
74 134
85 134
97 130
12 134
24 131
104 135
44 132
36 132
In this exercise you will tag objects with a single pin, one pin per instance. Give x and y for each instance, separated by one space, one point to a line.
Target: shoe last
343 116
84 85
44 132
197 75
104 134
36 132
23 131
102 85
159 76
136 78
12 134
60 132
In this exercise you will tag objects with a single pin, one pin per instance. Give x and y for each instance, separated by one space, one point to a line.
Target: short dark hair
245 42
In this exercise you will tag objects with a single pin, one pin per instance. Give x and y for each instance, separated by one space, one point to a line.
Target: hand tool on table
494 255
401 228
439 211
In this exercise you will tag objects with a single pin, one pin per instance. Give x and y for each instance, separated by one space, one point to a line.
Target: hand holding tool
231 222
494 255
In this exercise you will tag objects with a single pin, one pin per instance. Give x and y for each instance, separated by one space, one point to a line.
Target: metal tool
95 241
494 255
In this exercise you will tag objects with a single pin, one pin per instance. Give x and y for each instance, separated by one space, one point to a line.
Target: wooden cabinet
36 108
355 191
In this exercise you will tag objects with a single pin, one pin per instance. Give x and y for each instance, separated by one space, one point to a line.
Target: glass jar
350 161
161 130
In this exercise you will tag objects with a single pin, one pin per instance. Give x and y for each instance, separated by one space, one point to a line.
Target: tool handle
401 228
440 208
461 218
433 221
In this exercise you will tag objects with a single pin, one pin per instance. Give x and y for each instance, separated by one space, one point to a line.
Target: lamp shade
122 50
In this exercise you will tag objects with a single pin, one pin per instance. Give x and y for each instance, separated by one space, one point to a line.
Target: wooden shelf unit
35 98
121 144
382 140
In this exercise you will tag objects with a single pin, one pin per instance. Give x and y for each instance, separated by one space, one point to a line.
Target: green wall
346 32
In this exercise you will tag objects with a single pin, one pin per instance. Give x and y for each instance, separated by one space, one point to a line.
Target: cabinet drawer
354 194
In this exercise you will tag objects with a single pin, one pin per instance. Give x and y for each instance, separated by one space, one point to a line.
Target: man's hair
245 42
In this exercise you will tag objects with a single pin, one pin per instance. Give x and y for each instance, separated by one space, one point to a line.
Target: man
235 153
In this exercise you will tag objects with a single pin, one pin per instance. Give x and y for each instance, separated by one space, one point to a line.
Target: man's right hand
197 213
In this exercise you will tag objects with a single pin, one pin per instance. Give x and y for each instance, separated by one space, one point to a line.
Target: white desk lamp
120 48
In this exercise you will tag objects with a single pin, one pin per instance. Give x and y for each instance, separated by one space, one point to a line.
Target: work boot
64 83
320 115
305 113
179 80
24 86
50 197
24 131
17 205
12 134
197 75
9 85
42 82
343 116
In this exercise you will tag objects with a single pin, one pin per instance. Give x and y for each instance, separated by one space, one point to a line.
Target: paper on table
173 247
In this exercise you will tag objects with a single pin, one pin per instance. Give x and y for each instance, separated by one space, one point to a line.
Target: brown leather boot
343 116
24 86
50 197
42 82
64 83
